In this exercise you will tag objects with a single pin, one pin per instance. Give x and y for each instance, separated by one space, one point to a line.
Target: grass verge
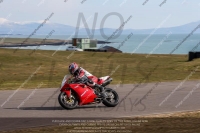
19 68
173 123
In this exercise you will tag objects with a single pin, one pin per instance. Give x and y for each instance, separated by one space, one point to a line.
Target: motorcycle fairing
85 93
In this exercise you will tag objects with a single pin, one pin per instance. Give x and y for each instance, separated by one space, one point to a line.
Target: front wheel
66 102
112 98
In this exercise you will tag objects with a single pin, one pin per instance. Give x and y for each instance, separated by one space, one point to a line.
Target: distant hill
9 27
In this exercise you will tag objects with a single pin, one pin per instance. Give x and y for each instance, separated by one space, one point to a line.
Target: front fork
68 92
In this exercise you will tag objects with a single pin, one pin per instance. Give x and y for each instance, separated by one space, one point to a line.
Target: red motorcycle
77 94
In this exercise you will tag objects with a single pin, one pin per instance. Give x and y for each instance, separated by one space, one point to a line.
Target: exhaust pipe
107 82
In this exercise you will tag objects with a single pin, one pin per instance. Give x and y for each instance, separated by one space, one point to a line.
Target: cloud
3 20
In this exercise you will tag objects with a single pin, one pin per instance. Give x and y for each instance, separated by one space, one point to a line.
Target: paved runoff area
135 100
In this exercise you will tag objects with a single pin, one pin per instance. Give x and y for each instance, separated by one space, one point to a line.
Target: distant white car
73 48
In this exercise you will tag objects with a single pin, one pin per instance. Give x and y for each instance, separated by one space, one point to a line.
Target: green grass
175 123
16 68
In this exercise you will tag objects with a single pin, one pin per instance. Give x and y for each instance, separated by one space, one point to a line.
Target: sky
145 14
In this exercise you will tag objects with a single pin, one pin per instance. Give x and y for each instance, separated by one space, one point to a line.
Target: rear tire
67 103
113 98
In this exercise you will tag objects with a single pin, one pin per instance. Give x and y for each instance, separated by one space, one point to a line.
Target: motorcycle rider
81 75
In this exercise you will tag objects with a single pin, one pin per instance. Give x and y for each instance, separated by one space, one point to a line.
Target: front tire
113 99
67 103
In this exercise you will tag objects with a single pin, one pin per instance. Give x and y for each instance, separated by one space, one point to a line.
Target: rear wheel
66 102
112 98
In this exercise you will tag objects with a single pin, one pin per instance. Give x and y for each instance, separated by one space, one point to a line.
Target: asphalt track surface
40 107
